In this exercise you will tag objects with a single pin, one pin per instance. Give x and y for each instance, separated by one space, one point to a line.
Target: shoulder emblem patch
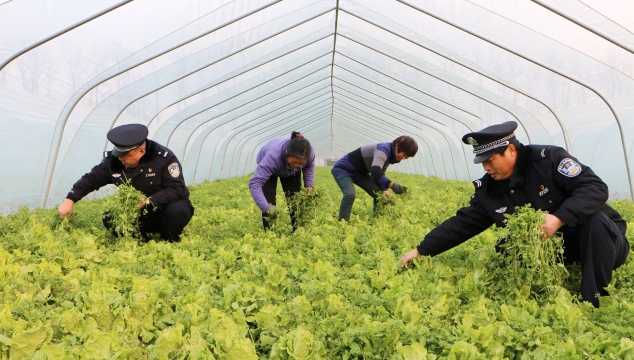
174 169
543 153
477 183
569 167
501 210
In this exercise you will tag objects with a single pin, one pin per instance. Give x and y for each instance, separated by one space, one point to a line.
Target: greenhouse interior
215 81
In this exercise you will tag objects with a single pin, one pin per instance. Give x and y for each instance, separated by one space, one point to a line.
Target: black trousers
290 185
600 248
169 221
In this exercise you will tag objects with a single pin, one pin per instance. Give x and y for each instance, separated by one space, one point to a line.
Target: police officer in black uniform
153 169
550 179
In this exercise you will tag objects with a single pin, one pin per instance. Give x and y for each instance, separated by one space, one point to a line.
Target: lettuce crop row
326 291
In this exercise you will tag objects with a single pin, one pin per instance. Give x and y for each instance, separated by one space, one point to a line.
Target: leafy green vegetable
532 260
123 207
329 290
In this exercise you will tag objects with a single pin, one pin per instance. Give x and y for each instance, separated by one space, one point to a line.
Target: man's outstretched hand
414 254
66 208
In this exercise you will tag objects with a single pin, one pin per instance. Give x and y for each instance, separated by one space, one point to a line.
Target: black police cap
126 138
487 140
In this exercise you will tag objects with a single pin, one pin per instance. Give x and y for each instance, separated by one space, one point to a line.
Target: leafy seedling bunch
307 207
532 259
123 207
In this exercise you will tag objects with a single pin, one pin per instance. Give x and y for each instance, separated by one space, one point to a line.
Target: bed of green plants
330 290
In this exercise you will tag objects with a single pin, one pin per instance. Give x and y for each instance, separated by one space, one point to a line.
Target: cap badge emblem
472 141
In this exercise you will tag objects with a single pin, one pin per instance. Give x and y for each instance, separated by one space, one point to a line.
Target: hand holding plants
552 224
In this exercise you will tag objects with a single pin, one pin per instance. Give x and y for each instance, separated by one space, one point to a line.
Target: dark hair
512 141
298 146
406 144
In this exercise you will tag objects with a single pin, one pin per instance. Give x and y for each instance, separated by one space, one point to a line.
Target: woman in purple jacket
365 167
282 158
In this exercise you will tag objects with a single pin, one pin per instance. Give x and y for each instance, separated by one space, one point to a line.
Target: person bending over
550 179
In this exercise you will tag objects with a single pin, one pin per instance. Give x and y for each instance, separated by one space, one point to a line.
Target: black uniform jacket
159 175
547 177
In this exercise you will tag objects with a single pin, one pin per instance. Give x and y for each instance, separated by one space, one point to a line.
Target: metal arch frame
232 119
301 112
62 32
280 131
451 84
308 123
367 115
405 84
332 70
229 137
398 93
252 149
270 36
406 166
408 109
579 23
207 87
350 119
252 120
357 112
616 117
246 138
70 105
370 116
249 157
242 104
391 116
490 77
234 132
318 103
304 101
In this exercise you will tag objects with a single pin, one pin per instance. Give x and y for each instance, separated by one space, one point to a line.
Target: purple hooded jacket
271 161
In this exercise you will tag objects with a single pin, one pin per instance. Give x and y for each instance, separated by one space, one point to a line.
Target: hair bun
296 134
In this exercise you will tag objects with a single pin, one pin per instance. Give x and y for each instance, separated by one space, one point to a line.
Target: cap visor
480 158
117 153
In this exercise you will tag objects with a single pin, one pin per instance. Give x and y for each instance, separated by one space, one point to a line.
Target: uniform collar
519 173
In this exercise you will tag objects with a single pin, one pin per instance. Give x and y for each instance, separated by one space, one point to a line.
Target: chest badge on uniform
149 169
116 175
544 190
174 169
501 210
569 167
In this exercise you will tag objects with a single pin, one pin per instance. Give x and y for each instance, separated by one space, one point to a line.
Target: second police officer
548 178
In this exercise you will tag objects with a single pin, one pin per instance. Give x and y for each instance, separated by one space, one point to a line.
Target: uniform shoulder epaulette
106 154
540 152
